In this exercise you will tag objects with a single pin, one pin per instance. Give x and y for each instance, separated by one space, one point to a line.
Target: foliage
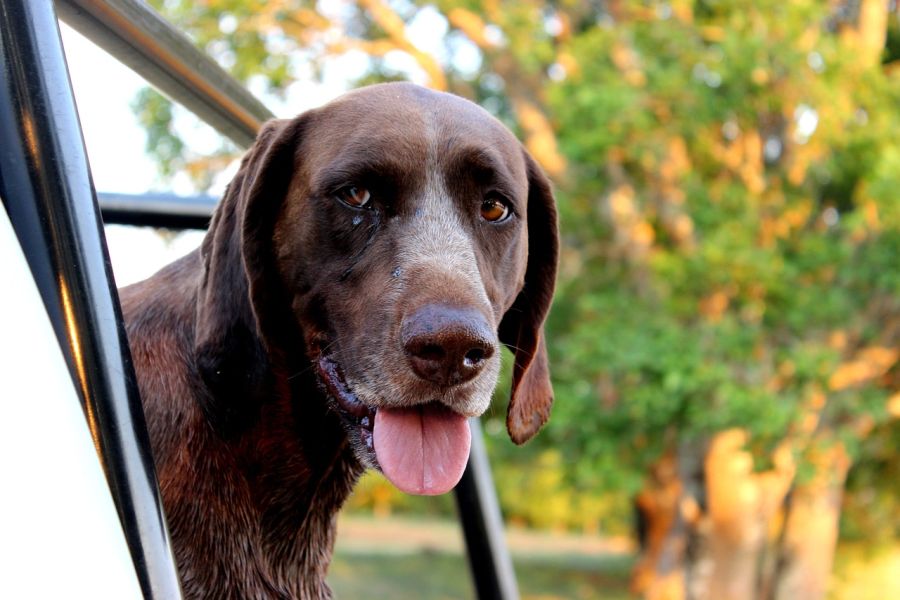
727 174
748 258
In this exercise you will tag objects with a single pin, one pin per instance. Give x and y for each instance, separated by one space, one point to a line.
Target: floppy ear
229 349
522 327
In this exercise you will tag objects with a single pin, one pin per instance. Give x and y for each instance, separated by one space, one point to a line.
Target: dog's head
396 237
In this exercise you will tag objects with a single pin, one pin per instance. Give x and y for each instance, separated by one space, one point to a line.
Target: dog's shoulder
165 300
159 323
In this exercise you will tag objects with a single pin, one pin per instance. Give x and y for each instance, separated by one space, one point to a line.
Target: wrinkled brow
365 167
484 166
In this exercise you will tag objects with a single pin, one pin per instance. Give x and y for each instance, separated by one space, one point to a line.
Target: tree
756 337
725 337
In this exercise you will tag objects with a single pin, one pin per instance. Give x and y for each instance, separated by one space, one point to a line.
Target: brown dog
343 312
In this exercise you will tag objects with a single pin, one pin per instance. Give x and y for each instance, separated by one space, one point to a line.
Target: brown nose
447 345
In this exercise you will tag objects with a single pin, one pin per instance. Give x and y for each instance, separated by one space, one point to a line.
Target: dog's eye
356 197
494 210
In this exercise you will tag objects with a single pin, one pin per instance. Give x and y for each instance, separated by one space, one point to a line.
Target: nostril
431 352
473 357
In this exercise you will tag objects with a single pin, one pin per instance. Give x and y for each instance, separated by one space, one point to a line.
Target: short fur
254 459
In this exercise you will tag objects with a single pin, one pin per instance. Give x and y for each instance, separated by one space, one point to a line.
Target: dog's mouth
421 449
349 407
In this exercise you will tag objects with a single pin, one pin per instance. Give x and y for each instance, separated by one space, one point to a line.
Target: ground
419 559
405 559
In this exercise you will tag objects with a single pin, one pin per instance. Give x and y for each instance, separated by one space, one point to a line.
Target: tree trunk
811 529
663 532
716 529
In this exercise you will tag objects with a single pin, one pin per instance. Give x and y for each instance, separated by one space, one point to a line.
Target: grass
409 559
864 572
423 560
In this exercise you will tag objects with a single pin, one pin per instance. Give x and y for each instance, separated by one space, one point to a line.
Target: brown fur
254 460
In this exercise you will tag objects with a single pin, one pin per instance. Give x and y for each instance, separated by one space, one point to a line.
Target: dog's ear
230 354
522 327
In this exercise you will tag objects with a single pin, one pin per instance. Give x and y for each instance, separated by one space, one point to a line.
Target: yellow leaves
682 228
539 137
628 63
642 233
868 209
661 109
831 460
893 406
633 235
683 10
386 18
621 203
768 231
782 225
812 413
760 76
870 363
310 18
569 63
807 42
669 173
713 307
616 155
713 33
870 213
837 340
677 161
744 156
371 47
202 166
302 24
546 501
395 29
863 426
797 216
472 25
310 28
377 492
751 168
787 369
623 57
816 400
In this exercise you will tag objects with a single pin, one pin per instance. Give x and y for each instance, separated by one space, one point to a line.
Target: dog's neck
283 478
301 470
252 465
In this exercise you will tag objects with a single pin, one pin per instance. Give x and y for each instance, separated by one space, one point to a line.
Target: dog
344 311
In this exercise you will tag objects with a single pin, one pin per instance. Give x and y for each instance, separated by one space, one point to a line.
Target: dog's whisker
310 367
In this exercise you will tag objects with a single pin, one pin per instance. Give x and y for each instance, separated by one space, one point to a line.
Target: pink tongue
423 449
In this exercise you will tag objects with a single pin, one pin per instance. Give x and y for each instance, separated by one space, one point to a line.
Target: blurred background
725 336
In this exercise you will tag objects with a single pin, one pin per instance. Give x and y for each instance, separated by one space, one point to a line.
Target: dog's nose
447 345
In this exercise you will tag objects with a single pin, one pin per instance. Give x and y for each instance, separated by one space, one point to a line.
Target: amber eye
356 197
494 210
